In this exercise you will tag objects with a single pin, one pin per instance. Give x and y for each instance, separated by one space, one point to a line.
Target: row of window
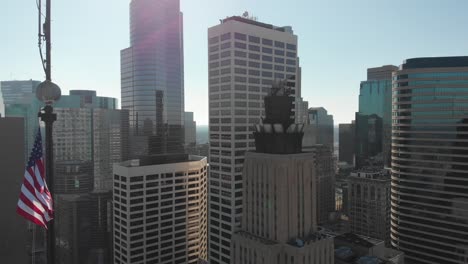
252 39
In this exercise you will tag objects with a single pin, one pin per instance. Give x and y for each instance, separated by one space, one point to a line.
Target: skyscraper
90 134
319 128
429 219
373 121
160 213
245 57
12 91
190 127
346 143
152 77
279 219
19 101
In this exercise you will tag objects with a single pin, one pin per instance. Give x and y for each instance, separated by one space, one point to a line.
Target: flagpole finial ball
48 92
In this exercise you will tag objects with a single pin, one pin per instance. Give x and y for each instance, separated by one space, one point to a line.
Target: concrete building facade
369 203
245 57
160 210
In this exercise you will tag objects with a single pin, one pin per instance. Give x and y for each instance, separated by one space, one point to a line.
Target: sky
338 41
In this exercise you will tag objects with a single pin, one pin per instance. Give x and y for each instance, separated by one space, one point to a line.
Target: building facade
160 210
152 77
429 155
346 143
245 57
280 186
12 91
325 176
373 121
319 128
16 246
190 127
369 203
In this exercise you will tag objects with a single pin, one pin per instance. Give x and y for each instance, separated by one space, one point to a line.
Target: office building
160 210
12 91
190 127
26 107
369 203
245 57
15 245
90 129
152 77
373 121
429 220
90 134
279 219
346 143
325 176
319 128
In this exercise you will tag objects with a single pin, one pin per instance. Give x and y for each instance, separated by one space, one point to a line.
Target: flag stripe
39 196
35 200
29 214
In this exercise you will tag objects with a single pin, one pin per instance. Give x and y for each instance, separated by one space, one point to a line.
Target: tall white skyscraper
245 57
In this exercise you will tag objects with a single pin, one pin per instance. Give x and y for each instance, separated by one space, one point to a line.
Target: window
240 36
254 39
267 74
239 53
240 70
226 45
254 64
291 54
267 50
240 45
279 52
267 66
279 60
240 62
290 62
267 58
291 46
279 68
268 42
254 56
226 36
254 48
226 62
279 44
254 72
226 53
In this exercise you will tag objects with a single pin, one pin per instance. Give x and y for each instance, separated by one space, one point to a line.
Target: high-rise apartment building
152 77
373 121
369 203
160 213
346 143
319 128
279 219
245 57
429 216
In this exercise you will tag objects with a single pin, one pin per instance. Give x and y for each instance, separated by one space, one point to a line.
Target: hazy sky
338 41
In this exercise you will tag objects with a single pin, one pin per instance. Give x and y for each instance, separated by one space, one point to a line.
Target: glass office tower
429 199
152 77
374 117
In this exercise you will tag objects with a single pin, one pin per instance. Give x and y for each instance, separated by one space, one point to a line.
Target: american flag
35 201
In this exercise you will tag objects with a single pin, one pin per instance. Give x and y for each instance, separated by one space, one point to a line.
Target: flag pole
48 92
